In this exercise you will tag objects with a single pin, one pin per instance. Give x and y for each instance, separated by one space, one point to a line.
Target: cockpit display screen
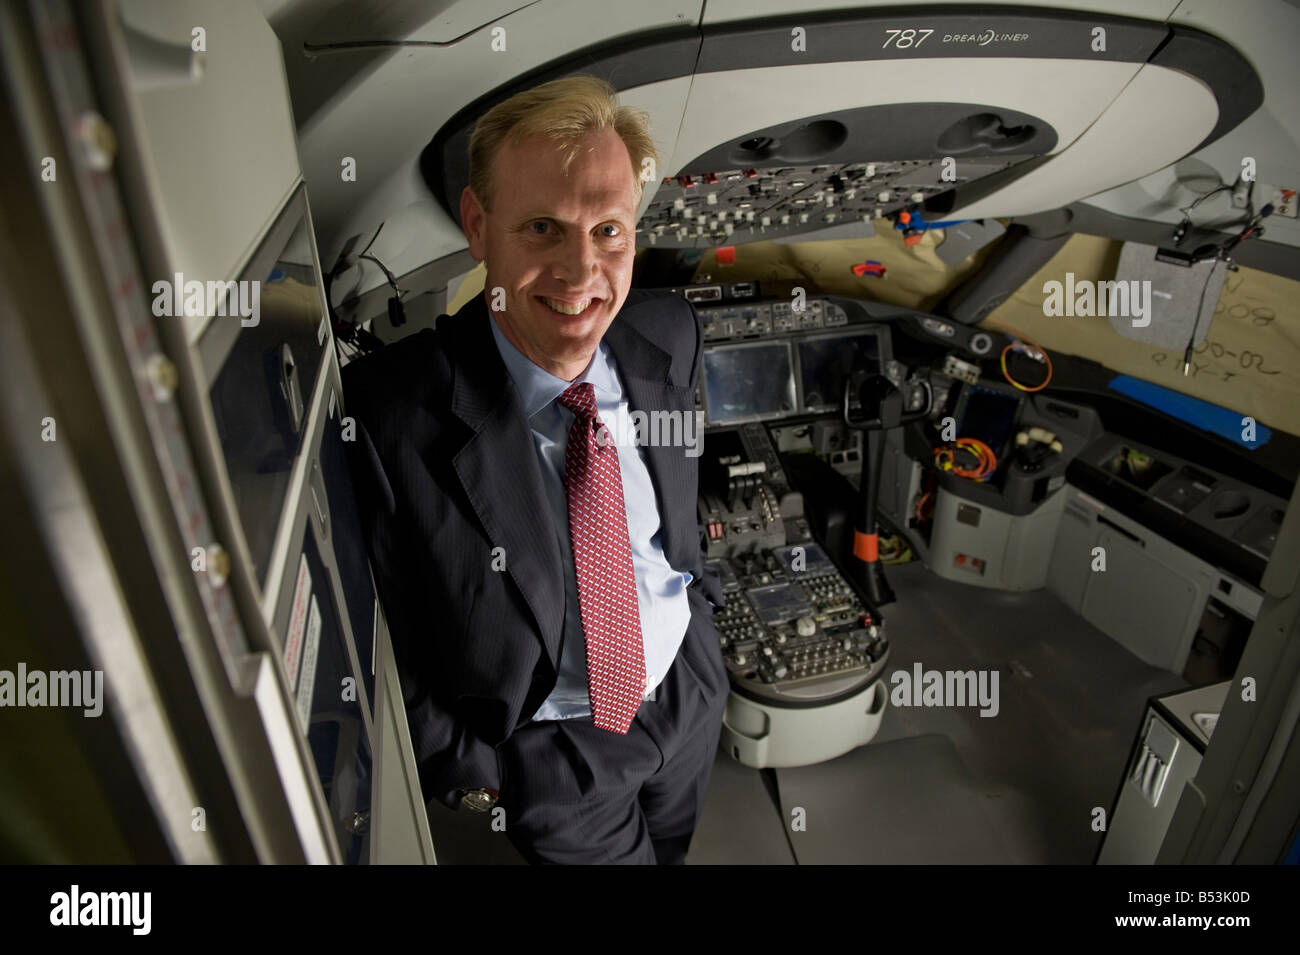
747 382
825 364
989 416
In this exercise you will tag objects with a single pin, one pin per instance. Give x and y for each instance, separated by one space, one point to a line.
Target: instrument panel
771 360
732 206
793 631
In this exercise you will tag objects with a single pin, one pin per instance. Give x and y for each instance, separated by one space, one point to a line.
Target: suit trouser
573 793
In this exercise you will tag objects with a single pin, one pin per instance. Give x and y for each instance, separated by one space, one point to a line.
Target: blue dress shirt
661 591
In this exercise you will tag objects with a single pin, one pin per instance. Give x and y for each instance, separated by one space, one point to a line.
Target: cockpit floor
938 784
944 784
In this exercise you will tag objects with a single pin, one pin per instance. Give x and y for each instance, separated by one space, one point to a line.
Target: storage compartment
1186 489
1217 647
1155 599
986 547
1260 532
1138 468
1139 601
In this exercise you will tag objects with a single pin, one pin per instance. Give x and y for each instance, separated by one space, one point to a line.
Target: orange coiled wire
986 462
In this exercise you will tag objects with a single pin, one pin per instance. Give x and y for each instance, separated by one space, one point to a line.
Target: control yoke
874 404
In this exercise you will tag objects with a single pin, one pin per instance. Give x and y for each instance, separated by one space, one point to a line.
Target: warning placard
311 652
297 621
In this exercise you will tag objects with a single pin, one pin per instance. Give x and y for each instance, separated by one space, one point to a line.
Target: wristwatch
478 800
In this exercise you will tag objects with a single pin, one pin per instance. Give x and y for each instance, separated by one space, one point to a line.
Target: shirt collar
538 387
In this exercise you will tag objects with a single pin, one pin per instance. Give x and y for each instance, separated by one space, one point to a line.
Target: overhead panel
803 122
798 123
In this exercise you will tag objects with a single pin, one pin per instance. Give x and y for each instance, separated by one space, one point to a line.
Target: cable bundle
1031 350
986 462
1022 344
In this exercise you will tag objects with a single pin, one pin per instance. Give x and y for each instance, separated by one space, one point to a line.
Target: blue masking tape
1208 417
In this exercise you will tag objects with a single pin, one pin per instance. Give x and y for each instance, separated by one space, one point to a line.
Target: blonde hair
566 110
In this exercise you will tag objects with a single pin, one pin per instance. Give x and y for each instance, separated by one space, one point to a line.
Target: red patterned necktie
602 557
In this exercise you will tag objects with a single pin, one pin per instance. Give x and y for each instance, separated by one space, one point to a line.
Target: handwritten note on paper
1229 361
1249 361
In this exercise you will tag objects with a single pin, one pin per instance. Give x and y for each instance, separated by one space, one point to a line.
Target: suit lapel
503 484
644 368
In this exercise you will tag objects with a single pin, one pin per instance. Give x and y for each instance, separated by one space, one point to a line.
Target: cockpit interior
997 416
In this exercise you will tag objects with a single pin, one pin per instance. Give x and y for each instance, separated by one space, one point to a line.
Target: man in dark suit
541 573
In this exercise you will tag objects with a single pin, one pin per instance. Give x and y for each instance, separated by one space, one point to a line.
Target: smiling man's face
561 245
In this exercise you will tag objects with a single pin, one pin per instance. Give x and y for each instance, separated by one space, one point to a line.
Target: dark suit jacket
446 472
